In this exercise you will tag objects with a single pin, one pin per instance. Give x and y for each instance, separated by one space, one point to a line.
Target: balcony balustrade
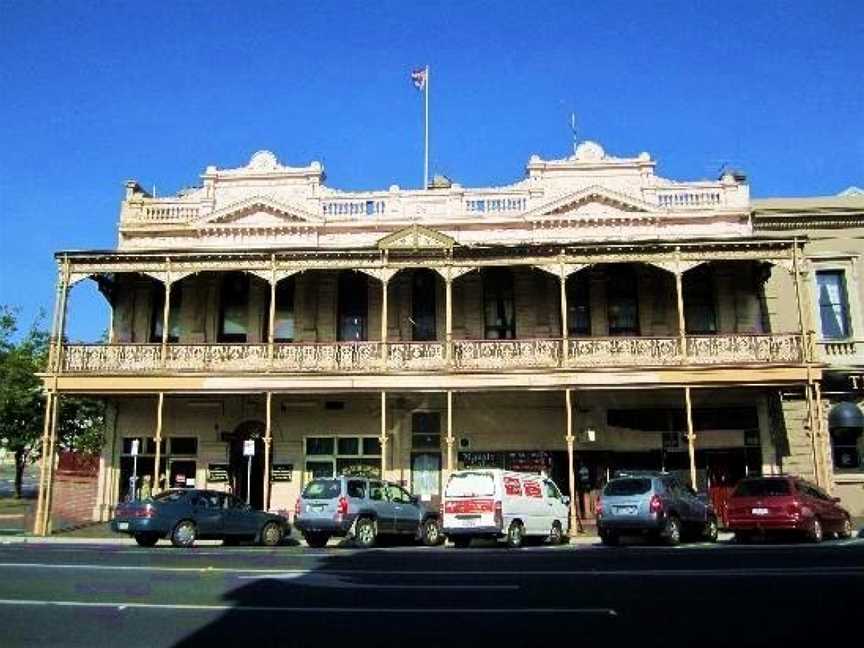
463 355
841 352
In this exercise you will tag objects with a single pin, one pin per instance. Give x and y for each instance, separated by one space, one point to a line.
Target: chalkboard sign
217 472
281 472
533 461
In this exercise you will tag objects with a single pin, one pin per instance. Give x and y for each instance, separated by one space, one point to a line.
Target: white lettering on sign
249 448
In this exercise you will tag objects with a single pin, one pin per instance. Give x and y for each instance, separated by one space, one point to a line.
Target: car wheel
672 531
431 534
556 535
461 542
316 540
816 532
146 539
712 529
184 534
609 538
364 533
515 535
846 529
271 534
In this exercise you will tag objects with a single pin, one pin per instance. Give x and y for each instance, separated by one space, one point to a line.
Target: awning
845 415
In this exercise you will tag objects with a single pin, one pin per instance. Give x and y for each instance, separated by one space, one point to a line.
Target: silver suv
362 509
656 504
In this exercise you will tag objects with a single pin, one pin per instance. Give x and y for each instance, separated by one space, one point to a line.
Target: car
761 505
655 504
187 515
363 510
495 503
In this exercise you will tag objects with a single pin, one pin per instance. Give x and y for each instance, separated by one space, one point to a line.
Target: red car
760 505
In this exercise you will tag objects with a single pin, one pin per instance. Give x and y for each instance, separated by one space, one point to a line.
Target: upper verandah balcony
587 195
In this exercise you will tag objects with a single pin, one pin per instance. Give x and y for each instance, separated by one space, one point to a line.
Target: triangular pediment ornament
416 237
260 211
595 195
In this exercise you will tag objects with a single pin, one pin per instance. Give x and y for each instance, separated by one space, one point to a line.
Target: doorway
247 481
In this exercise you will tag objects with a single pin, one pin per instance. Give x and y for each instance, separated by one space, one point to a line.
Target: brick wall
75 490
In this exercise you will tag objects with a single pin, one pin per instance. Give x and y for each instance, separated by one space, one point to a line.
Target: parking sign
249 448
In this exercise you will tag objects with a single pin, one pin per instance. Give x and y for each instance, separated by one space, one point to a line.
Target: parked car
651 503
186 515
759 505
362 509
494 503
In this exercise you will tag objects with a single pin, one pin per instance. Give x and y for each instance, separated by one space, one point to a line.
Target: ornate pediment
260 211
416 237
594 200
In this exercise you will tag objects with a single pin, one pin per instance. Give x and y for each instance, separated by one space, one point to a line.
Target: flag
418 78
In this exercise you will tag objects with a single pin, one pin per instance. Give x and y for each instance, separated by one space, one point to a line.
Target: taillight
499 515
145 511
342 506
298 506
656 505
794 508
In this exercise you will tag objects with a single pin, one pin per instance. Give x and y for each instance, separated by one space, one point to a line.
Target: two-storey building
590 317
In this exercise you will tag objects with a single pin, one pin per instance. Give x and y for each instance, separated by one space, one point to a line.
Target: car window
761 488
470 484
551 490
627 486
376 491
207 500
322 489
397 494
356 488
170 496
232 502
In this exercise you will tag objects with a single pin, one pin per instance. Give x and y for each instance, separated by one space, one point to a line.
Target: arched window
499 309
700 316
423 304
353 306
578 304
622 300
157 313
283 316
234 307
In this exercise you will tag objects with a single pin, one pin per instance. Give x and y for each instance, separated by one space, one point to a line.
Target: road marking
123 605
744 572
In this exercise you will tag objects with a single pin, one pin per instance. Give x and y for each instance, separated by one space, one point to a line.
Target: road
707 595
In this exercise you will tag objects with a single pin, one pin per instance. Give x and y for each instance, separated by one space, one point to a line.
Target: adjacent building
590 317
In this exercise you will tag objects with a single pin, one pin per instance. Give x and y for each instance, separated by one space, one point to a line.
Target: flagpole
426 134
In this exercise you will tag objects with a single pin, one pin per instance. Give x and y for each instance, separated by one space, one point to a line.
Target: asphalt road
707 595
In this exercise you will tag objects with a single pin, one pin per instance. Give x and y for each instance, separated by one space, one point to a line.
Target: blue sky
96 93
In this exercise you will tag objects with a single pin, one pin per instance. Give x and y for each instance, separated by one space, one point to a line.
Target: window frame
221 335
334 458
844 274
498 286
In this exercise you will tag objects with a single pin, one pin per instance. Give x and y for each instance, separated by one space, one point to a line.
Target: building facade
590 317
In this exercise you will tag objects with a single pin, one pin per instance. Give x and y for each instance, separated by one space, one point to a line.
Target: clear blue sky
96 93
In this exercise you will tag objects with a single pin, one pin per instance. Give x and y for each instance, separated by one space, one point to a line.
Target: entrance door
243 480
426 476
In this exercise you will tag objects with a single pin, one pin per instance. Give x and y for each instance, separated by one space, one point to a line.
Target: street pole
426 132
248 478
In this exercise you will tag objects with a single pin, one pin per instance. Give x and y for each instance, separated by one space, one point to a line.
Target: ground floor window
847 448
177 461
343 455
426 475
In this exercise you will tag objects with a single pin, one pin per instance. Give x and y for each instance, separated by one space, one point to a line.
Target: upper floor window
234 307
833 304
700 316
622 300
578 305
157 313
353 306
283 314
499 309
423 304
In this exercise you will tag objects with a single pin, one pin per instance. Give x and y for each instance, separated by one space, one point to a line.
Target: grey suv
656 504
362 509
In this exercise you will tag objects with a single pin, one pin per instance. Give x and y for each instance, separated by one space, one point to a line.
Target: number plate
625 510
122 526
760 511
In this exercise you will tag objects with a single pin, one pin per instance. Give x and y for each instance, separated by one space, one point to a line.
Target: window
356 488
698 293
622 300
350 455
234 308
470 484
423 305
320 445
426 430
627 487
184 445
157 313
551 490
353 306
761 488
283 314
398 494
578 304
349 446
376 491
146 446
499 310
833 304
847 448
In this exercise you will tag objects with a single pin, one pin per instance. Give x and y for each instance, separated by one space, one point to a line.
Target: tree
22 402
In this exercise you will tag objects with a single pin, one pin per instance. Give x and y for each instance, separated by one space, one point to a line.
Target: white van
495 503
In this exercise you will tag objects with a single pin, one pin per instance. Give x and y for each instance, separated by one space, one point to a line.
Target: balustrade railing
684 198
468 355
840 351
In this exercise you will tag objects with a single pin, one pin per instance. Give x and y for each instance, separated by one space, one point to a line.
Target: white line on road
121 605
745 572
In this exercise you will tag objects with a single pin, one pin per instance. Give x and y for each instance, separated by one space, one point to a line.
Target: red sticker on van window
512 487
532 489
